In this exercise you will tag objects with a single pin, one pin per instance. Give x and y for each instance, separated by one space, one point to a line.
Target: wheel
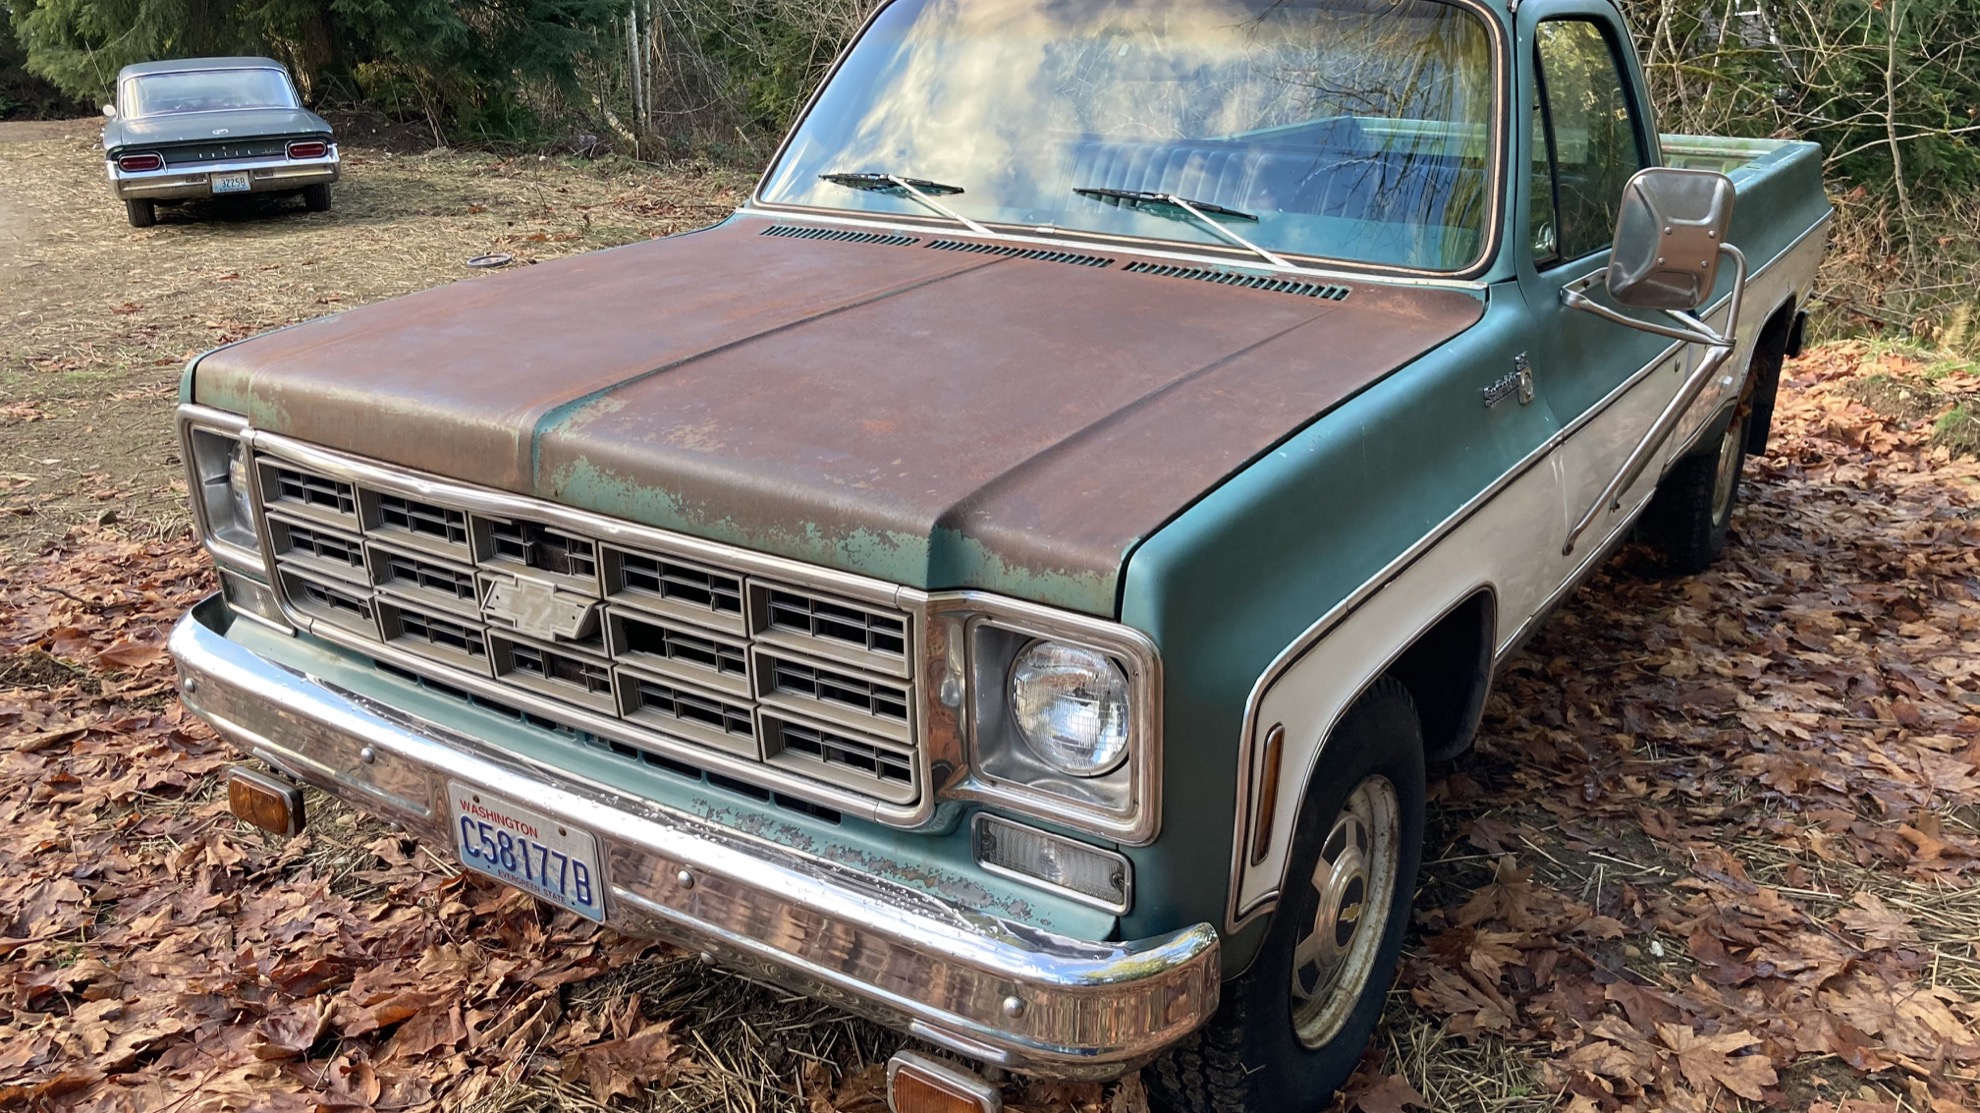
1291 1028
1687 519
142 211
316 198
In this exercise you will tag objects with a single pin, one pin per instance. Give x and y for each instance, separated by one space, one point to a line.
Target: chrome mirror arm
1695 332
1721 345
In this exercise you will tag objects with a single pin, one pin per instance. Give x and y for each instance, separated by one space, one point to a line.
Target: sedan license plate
231 183
547 859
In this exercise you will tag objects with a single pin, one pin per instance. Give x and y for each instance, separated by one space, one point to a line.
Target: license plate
512 844
231 183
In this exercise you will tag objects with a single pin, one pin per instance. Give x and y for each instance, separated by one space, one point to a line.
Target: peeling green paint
947 558
889 555
964 561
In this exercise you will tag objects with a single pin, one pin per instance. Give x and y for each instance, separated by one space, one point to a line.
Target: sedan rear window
161 94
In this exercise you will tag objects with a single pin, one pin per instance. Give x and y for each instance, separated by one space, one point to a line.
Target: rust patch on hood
933 418
455 379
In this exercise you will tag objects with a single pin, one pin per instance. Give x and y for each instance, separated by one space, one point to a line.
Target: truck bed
1778 183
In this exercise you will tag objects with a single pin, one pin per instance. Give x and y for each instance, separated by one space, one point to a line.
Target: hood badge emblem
1518 381
219 131
537 609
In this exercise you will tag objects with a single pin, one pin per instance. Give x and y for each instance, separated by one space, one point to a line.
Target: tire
1687 519
316 198
1250 1058
142 211
1768 359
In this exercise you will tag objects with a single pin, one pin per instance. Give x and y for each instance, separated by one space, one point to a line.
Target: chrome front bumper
179 183
1004 993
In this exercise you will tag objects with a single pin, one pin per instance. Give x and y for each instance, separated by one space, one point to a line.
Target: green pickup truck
1009 577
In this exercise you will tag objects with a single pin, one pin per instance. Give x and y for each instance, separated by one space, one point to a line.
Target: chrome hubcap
1731 451
1355 880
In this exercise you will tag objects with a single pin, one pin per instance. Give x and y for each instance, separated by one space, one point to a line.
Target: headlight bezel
208 442
1124 803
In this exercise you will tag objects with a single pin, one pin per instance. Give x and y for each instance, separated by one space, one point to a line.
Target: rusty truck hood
941 418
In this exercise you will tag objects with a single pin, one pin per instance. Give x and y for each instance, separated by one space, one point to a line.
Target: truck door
1606 384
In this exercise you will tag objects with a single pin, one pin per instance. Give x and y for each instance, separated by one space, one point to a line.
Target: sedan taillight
140 162
308 148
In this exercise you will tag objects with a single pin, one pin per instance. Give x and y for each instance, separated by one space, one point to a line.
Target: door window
1593 142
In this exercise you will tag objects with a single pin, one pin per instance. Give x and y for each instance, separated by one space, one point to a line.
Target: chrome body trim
908 959
1236 916
962 612
938 654
265 175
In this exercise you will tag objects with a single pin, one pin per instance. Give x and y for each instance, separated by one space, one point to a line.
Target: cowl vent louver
1325 290
843 235
1007 250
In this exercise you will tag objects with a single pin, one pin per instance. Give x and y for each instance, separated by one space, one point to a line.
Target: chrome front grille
623 645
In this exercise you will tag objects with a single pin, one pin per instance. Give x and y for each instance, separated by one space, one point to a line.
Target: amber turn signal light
918 1083
1268 793
270 804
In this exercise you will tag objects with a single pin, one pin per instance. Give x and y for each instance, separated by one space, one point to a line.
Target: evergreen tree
460 62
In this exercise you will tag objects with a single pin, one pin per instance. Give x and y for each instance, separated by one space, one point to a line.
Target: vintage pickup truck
1008 578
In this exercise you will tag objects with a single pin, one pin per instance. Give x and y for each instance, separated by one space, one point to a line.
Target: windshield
159 94
1357 130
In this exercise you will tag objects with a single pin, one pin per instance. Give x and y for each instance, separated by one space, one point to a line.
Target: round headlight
238 495
1071 706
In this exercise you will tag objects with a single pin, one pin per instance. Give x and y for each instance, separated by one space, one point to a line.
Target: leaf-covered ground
1718 840
1716 848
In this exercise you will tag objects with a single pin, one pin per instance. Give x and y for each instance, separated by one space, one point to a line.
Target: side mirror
110 110
1668 235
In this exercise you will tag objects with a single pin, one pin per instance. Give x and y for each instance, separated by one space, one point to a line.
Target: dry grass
99 317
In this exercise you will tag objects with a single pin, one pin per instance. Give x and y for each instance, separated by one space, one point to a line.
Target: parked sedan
204 127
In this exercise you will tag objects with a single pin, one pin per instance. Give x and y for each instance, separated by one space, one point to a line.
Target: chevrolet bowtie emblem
540 611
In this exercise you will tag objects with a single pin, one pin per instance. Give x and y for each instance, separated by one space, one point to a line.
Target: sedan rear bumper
1005 993
181 183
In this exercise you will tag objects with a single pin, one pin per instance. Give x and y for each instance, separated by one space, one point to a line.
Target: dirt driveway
97 318
1716 849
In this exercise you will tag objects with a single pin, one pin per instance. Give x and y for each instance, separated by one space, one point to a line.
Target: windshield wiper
920 189
1201 211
